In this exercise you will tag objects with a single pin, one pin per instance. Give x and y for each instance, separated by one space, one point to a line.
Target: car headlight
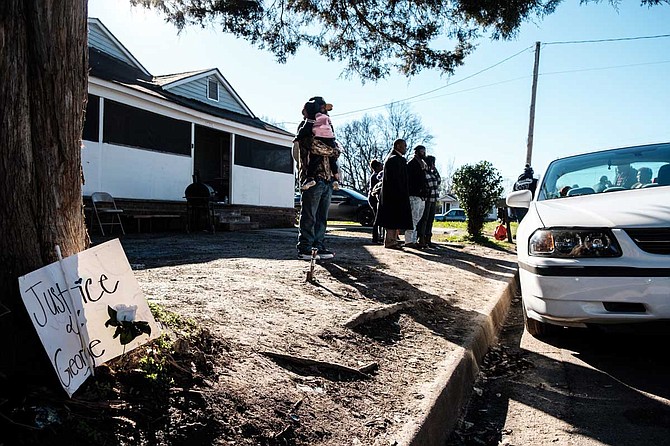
571 243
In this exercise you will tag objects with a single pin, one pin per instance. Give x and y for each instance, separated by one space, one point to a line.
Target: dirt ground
249 293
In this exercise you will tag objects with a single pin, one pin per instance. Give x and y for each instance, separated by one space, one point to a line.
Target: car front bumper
564 297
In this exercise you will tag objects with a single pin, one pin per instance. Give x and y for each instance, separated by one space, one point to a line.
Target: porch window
91 127
262 155
133 127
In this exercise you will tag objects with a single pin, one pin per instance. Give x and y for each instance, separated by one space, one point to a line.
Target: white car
594 247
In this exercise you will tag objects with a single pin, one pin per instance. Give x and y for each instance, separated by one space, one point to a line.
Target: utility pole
531 124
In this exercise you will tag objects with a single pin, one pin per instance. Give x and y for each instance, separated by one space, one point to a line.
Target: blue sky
590 96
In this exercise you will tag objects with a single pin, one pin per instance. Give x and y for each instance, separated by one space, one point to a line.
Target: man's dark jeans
314 216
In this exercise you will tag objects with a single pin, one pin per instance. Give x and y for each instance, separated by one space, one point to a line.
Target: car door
338 205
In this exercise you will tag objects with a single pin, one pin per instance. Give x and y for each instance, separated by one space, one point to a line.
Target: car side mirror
519 199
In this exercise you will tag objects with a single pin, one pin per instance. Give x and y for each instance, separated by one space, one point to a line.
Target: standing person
626 176
425 226
317 123
373 195
394 212
316 199
416 183
525 181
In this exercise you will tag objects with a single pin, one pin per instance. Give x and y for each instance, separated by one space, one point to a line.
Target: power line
439 88
620 39
409 99
451 93
548 73
605 68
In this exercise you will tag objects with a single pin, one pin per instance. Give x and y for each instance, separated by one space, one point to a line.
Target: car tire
366 217
537 329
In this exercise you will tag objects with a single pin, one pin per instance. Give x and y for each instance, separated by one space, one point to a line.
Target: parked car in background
452 215
594 247
347 205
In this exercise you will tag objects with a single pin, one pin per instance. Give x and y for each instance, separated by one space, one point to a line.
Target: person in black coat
394 212
526 181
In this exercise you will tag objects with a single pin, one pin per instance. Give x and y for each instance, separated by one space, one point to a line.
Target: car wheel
366 217
537 329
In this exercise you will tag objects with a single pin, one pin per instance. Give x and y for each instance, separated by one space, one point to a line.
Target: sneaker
307 255
336 185
326 254
309 182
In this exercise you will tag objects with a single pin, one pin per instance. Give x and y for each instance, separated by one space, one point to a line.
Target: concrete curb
451 390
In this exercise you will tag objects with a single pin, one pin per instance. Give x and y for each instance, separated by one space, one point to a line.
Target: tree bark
43 85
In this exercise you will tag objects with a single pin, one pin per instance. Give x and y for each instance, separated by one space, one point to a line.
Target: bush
477 187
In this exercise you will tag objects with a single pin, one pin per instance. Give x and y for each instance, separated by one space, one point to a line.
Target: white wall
262 187
128 172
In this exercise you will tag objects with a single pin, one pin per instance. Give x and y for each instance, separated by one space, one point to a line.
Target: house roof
169 81
166 79
448 197
92 21
106 67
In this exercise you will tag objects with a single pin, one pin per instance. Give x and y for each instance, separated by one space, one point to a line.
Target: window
91 128
262 155
130 126
213 89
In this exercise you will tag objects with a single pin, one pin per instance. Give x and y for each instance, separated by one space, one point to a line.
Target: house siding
262 188
197 90
99 40
127 172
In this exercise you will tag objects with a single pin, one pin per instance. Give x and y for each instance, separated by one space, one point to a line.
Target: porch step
238 226
228 212
234 219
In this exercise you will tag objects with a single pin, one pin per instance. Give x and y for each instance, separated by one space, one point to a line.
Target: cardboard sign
68 303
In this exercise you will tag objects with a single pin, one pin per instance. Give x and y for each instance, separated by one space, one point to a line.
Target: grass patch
486 238
343 223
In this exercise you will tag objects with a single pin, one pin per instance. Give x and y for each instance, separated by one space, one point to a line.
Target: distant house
446 202
145 136
449 201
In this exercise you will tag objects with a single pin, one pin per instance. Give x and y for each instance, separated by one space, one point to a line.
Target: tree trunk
43 83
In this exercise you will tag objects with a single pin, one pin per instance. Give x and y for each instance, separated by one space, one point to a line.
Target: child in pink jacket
322 130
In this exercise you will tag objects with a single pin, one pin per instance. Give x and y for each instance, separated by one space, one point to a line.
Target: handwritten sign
68 303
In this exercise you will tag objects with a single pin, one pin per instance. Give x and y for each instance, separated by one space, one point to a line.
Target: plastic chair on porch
104 205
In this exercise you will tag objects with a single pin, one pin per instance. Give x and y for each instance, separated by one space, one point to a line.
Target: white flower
125 312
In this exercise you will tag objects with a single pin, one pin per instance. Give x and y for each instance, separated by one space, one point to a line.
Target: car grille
654 241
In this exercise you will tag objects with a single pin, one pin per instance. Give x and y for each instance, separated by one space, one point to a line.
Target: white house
449 201
145 136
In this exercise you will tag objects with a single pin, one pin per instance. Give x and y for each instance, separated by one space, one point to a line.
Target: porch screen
130 126
262 155
91 128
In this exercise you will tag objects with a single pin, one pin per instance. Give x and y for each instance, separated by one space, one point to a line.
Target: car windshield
614 170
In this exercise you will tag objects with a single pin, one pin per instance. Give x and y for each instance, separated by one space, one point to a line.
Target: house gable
100 38
208 86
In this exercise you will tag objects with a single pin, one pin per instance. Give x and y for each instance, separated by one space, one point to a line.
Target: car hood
633 208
